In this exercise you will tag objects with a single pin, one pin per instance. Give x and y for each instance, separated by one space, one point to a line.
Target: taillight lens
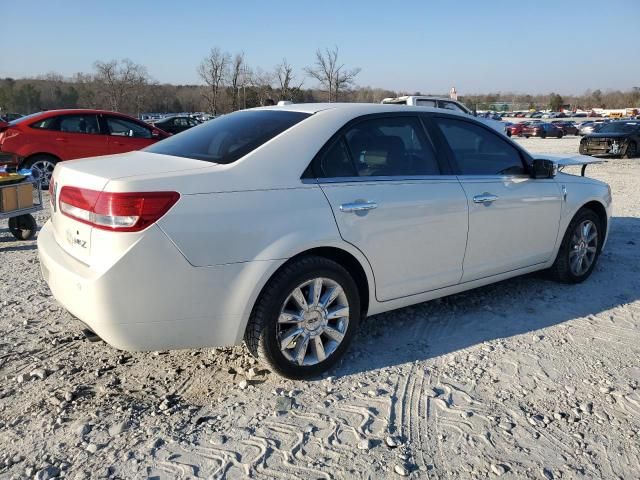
122 212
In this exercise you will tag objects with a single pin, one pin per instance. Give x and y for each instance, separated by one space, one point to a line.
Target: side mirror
543 169
155 133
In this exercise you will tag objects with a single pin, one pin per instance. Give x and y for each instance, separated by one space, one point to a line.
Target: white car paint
192 278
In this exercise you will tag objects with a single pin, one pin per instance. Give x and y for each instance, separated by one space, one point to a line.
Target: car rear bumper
152 298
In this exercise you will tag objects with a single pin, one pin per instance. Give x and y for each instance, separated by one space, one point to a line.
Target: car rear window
229 137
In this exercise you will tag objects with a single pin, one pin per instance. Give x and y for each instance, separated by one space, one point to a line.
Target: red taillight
122 212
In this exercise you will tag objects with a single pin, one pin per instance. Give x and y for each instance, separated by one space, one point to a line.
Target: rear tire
41 167
560 135
576 245
300 358
543 135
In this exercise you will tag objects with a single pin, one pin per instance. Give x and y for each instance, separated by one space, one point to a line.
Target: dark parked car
10 117
615 138
589 127
176 124
568 128
541 130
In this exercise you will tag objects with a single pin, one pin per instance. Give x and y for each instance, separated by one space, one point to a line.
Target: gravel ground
522 379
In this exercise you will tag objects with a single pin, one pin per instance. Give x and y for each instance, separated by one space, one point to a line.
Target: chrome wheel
584 246
313 321
42 170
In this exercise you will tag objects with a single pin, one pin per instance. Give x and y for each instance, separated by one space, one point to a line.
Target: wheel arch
26 159
600 210
361 275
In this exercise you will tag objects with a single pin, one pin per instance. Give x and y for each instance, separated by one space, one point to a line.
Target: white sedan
284 226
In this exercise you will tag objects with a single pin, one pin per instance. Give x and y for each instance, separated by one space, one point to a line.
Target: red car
516 128
41 140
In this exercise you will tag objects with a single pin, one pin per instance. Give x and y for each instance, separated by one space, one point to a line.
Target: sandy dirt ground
524 379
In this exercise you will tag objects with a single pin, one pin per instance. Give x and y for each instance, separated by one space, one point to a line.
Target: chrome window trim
492 177
375 179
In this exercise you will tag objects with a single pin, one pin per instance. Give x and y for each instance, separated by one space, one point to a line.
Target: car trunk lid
83 241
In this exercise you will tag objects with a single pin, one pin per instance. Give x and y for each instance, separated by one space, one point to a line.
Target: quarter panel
231 227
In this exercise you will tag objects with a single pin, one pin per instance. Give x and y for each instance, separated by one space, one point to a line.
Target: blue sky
476 45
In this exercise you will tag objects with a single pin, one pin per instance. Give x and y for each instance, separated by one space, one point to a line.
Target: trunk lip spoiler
569 160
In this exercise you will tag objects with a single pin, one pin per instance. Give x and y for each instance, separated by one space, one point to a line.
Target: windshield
619 127
229 137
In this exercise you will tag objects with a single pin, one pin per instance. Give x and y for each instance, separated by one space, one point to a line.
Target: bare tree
286 80
262 83
121 81
331 74
214 70
237 79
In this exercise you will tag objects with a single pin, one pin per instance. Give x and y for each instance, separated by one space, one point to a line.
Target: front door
126 135
513 218
384 184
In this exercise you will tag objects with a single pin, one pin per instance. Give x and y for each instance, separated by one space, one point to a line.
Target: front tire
632 150
580 248
305 318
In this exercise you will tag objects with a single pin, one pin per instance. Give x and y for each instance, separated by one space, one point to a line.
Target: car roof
355 108
71 111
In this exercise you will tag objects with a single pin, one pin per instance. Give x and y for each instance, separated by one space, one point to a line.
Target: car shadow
512 307
19 248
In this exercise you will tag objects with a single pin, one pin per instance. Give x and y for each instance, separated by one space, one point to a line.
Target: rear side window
381 147
229 137
479 151
79 124
421 102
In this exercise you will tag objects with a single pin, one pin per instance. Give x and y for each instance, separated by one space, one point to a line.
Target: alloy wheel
584 246
42 170
313 321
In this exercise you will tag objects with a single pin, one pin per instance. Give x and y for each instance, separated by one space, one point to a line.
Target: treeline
588 100
229 83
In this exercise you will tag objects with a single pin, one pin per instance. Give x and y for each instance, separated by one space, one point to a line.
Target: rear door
126 135
513 218
78 136
394 201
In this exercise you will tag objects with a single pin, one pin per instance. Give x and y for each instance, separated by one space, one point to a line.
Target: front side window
479 151
123 127
389 146
79 124
229 137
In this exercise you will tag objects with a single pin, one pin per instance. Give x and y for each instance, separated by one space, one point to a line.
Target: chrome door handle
485 198
358 206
